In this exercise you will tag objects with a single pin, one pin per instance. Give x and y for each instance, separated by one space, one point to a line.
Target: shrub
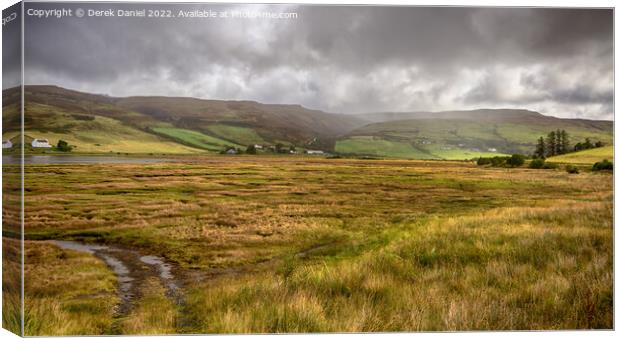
516 160
603 165
537 163
502 161
63 146
498 161
483 161
571 169
251 149
548 165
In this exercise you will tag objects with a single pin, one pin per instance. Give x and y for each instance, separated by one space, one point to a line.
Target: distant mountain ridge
155 124
487 115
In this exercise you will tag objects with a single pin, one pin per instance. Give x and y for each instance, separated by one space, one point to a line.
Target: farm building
7 144
40 143
315 152
258 146
231 151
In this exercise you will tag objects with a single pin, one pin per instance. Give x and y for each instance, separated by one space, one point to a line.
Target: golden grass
507 269
66 292
154 313
398 245
11 285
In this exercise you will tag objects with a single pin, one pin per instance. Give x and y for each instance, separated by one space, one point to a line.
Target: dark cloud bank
340 59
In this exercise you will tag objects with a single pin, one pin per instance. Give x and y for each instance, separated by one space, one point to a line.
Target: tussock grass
11 285
66 292
154 313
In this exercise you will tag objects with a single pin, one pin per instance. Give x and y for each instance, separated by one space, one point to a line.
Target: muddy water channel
131 269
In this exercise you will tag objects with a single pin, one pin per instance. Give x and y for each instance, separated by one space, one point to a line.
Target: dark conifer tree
551 144
540 148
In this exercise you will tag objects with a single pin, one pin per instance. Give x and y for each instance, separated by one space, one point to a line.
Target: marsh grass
66 292
386 245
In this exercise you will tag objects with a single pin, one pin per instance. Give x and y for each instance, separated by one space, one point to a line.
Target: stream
131 269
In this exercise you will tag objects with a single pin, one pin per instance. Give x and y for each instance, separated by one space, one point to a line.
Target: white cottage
41 143
7 144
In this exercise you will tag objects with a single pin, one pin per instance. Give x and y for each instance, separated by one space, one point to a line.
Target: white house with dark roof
7 144
41 143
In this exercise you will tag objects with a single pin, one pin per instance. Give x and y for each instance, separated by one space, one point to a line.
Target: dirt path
131 269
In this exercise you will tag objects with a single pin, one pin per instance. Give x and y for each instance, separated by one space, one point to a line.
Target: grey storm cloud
343 59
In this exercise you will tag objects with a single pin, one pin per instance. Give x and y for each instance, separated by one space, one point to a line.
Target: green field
456 153
589 156
194 138
375 146
239 135
289 244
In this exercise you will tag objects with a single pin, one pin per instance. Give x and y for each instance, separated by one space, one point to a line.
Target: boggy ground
385 245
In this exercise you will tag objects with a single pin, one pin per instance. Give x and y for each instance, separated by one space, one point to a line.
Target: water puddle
131 269
165 272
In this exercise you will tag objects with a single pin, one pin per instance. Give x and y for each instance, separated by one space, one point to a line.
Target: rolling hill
463 134
100 123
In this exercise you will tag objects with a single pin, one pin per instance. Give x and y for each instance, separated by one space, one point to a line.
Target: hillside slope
99 123
589 156
466 134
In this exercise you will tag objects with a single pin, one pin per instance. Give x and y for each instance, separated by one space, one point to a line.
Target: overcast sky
339 59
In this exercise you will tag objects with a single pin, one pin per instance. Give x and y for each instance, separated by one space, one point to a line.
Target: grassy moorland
291 244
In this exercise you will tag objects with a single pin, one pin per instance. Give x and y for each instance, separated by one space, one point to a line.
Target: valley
97 124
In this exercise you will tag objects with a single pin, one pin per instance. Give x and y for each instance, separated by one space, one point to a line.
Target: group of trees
557 143
587 144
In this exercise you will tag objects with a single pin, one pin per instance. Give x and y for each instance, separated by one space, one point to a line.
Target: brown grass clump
66 293
154 313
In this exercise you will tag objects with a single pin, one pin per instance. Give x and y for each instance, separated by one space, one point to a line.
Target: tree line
557 143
